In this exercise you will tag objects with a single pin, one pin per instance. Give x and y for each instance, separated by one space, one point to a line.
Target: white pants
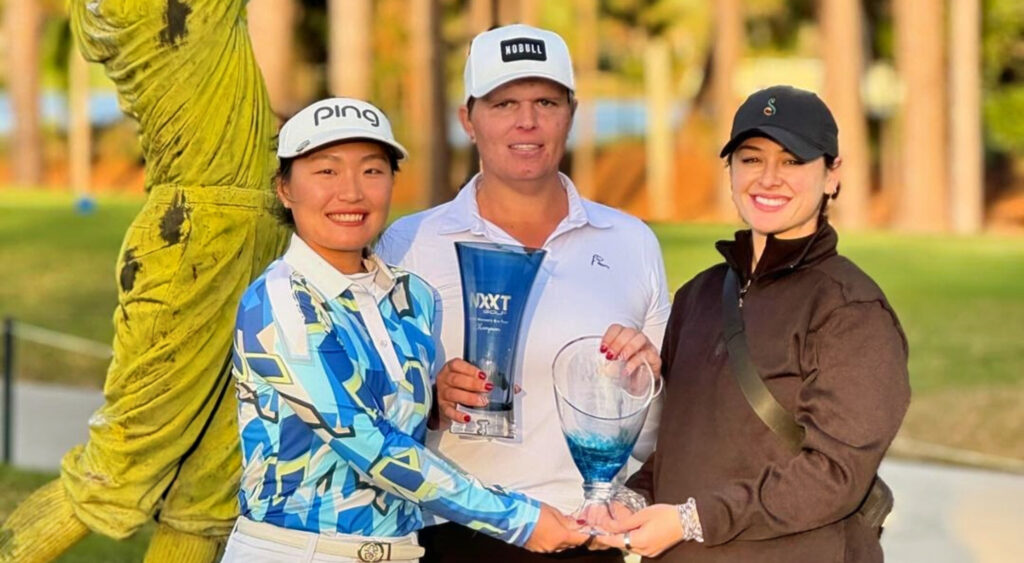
250 548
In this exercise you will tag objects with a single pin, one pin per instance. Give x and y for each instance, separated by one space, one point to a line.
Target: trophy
496 281
602 407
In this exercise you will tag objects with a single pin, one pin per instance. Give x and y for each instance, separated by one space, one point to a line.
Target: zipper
743 291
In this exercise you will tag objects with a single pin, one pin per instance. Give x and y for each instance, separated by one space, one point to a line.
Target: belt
368 551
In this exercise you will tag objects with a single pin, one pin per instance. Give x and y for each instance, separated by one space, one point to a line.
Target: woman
820 336
332 359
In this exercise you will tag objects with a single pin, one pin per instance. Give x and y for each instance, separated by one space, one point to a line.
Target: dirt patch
987 419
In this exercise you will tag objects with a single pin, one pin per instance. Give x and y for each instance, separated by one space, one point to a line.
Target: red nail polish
610 356
465 418
488 386
581 521
604 348
481 375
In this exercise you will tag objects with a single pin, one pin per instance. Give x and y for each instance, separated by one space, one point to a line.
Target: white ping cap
335 119
516 51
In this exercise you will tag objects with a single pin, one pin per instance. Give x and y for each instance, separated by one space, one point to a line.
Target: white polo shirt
602 266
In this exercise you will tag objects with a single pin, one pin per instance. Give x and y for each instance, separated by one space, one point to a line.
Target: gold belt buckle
371 551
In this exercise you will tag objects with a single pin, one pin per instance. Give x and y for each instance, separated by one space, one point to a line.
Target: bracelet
692 530
631 499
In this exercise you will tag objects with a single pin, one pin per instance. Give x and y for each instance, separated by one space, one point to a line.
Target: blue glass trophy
496 282
602 405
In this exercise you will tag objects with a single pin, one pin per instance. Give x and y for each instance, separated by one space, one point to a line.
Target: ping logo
769 109
326 112
523 49
492 302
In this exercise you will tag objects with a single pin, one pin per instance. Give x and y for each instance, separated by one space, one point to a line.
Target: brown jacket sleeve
850 405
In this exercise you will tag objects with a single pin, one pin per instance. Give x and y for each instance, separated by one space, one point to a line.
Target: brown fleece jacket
831 351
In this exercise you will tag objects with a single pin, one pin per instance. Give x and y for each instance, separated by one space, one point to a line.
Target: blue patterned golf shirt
334 390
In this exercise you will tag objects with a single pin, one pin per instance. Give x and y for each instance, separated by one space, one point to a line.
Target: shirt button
383 342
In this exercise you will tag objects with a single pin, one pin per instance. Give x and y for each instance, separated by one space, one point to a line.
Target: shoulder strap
878 502
756 392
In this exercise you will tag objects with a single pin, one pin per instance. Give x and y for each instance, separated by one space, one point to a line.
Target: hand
460 382
632 346
554 532
610 522
652 531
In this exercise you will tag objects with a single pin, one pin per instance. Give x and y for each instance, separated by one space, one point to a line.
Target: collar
780 255
327 279
463 214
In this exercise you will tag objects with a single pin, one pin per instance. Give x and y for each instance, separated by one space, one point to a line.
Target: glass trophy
496 282
602 407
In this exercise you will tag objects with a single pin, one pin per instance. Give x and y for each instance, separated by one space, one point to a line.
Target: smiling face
520 129
777 193
339 196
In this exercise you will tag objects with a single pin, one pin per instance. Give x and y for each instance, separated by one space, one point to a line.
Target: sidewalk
953 514
48 420
942 515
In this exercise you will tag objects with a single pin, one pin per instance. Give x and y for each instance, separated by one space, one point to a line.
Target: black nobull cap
796 119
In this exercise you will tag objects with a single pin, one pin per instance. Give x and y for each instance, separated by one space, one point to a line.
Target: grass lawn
15 485
960 299
961 302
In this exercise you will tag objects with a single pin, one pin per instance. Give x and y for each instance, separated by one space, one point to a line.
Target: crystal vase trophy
496 281
602 407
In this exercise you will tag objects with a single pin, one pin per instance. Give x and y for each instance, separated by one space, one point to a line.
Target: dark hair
284 174
823 211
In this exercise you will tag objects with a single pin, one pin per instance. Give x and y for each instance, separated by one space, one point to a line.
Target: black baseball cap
796 119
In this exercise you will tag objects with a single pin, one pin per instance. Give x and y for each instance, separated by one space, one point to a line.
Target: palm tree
966 171
271 24
585 56
427 103
23 21
517 11
728 46
842 35
658 86
923 202
79 130
349 54
482 15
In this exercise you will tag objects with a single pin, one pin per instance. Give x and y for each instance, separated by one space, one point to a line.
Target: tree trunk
23 24
79 129
428 104
966 171
841 24
271 27
516 11
658 91
529 12
728 46
923 202
584 155
482 15
349 56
